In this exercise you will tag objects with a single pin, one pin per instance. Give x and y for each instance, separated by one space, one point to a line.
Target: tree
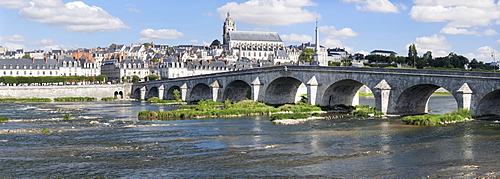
147 45
307 55
26 56
151 78
412 54
113 44
135 78
215 43
177 95
102 78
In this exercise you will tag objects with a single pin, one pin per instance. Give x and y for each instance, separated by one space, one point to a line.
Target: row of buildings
240 50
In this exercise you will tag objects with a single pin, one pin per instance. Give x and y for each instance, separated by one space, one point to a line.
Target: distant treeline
51 79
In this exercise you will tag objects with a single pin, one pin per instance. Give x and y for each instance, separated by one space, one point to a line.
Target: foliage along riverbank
461 115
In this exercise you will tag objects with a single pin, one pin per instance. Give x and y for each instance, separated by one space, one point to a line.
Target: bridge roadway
396 91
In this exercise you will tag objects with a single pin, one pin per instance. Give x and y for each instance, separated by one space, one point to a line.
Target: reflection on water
109 145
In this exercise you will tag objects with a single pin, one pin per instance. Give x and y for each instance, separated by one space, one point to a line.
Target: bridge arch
200 91
415 99
136 94
152 92
489 104
284 90
237 91
170 92
341 92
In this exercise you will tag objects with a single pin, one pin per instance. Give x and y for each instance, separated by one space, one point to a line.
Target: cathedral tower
229 26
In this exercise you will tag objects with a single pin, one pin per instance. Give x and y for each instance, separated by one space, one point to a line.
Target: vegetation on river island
3 119
366 111
434 119
209 109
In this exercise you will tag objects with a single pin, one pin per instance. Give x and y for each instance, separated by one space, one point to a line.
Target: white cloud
458 13
332 32
296 38
333 35
489 32
384 6
76 16
193 41
269 12
131 9
14 38
160 34
455 31
14 4
498 41
43 42
14 46
437 44
484 54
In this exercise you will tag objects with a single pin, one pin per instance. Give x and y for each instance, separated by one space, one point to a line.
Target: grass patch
25 100
75 99
108 99
366 112
3 119
434 119
45 130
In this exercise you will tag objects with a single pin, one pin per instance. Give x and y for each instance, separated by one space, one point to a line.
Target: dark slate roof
383 51
255 36
28 62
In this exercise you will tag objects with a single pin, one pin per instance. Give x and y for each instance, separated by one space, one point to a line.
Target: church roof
254 36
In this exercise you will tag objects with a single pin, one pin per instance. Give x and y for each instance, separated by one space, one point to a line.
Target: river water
105 140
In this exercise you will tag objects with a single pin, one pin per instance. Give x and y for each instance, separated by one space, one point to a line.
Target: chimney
46 59
32 59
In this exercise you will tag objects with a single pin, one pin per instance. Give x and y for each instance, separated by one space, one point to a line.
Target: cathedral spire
229 26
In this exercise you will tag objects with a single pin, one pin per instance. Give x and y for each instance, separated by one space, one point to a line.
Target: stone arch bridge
396 91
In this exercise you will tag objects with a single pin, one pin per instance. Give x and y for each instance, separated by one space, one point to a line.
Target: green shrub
361 106
66 117
45 130
365 112
2 119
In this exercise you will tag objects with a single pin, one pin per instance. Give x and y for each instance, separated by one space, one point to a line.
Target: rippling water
104 139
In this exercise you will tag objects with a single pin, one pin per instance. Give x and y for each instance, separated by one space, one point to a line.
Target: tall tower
317 47
229 26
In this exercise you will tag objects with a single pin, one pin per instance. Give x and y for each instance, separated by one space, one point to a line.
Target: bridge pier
184 89
385 92
312 90
143 93
161 92
215 90
465 93
255 89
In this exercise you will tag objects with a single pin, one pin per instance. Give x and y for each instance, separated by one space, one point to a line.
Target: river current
105 140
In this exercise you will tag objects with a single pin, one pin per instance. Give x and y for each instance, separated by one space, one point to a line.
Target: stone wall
95 91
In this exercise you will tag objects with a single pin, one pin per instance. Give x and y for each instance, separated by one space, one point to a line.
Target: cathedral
265 46
250 44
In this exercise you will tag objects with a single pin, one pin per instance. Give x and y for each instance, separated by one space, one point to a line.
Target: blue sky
469 28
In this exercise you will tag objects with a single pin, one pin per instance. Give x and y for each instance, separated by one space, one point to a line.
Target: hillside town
238 50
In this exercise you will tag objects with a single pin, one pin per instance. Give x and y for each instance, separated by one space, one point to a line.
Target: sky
466 27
